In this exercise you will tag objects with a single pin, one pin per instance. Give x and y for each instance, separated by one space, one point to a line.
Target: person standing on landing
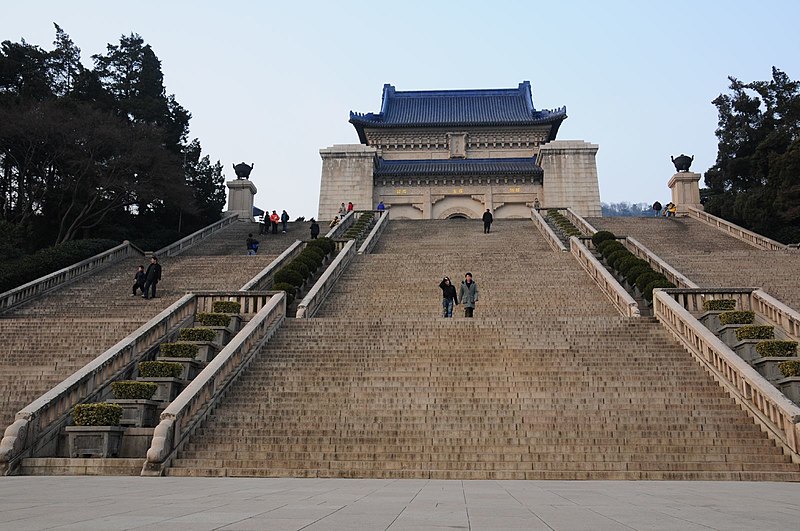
448 297
152 277
314 229
468 294
487 221
273 220
284 220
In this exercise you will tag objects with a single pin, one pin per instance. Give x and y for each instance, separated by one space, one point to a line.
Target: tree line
100 152
755 181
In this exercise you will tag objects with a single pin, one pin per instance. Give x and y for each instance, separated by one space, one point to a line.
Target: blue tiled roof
457 167
443 108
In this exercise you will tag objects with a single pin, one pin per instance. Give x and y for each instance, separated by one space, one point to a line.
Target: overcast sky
271 83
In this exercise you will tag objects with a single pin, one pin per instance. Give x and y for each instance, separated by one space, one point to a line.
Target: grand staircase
51 337
546 382
710 257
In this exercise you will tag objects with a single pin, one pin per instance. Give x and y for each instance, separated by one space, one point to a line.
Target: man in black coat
487 221
152 276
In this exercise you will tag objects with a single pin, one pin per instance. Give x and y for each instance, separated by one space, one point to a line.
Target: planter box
168 388
232 328
768 367
727 334
711 321
790 387
94 441
137 413
747 350
206 350
191 366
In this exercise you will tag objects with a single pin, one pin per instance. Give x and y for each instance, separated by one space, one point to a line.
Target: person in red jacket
274 219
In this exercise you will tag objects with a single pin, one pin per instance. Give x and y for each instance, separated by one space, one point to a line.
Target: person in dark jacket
656 208
468 293
252 245
314 229
152 277
138 280
448 297
487 221
284 220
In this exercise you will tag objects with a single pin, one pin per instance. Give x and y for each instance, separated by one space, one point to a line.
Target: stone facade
441 154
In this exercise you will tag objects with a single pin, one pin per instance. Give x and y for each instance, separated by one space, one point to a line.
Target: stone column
570 176
347 175
240 198
685 191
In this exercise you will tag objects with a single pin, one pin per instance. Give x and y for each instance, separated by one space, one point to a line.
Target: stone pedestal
346 176
240 198
685 191
570 176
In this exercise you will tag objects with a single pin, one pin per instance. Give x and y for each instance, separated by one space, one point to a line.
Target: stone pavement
88 503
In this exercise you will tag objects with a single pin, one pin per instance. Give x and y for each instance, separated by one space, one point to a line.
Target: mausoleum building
455 153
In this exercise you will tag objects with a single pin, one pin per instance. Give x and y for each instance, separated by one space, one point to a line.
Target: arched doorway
457 216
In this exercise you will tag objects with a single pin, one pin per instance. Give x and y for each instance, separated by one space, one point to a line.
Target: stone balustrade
251 302
620 298
264 279
37 426
579 222
313 300
657 264
181 245
771 409
375 234
740 233
345 223
550 237
40 286
190 407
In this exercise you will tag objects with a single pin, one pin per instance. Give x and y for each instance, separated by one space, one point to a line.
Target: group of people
669 210
467 294
146 280
272 220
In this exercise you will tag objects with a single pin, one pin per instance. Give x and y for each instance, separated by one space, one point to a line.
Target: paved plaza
329 504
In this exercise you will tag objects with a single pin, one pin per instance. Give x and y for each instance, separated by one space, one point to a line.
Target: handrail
657 264
251 302
264 278
319 291
740 233
184 243
777 313
341 227
374 235
578 220
38 424
620 298
57 279
184 414
770 407
549 236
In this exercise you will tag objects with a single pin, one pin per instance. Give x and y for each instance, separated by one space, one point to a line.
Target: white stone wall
346 176
570 176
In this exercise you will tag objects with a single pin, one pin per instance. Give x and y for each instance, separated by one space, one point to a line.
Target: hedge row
291 276
360 225
227 307
133 390
637 272
734 317
213 319
773 348
197 334
178 350
718 305
159 369
45 261
755 332
98 414
563 223
790 368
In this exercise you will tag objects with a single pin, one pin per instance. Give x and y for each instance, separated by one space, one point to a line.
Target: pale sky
271 83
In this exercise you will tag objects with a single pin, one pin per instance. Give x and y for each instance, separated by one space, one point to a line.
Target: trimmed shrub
612 258
740 317
315 256
773 348
300 267
97 414
159 369
178 350
622 264
658 283
719 305
315 251
213 319
789 368
612 247
325 244
646 278
288 288
307 261
602 236
633 272
227 307
133 390
755 332
602 245
627 265
197 334
289 276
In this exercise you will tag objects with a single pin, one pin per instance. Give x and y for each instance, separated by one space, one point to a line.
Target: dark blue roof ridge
444 167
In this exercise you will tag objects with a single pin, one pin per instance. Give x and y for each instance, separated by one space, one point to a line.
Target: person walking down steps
152 277
138 280
487 221
449 297
468 294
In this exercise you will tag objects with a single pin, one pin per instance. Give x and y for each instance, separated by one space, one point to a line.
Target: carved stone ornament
243 170
682 163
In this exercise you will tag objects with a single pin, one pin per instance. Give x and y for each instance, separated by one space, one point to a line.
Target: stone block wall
346 176
570 176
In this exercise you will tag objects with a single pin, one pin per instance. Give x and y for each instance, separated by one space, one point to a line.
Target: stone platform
315 504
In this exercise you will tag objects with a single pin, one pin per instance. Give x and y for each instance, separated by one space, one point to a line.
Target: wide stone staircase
711 258
48 339
546 382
